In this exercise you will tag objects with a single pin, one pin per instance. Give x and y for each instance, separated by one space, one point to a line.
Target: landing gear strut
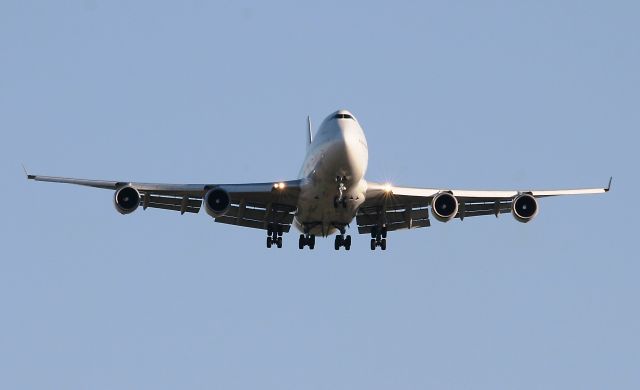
340 200
307 240
379 238
274 235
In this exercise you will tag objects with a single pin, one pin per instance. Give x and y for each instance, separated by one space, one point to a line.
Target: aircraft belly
316 208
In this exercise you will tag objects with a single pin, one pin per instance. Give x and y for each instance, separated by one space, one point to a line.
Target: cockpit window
343 116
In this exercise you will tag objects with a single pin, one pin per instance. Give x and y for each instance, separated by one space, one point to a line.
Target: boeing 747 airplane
330 192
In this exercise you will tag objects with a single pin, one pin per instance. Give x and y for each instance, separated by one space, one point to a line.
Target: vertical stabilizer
310 135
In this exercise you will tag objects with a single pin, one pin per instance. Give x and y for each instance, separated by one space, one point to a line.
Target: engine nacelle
126 200
444 206
217 202
524 208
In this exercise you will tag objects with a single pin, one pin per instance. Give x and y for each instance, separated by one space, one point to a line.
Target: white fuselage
338 150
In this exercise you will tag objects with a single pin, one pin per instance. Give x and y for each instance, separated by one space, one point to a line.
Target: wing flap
259 216
396 218
182 204
396 226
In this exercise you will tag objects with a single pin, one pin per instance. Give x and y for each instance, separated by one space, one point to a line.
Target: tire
373 244
269 242
384 232
279 242
301 242
383 244
312 241
269 230
337 243
374 232
347 242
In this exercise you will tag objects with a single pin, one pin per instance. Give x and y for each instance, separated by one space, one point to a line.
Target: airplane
329 193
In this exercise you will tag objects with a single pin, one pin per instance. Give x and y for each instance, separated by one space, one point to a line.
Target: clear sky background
491 94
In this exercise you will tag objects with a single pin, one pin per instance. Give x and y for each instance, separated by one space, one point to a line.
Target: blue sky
468 94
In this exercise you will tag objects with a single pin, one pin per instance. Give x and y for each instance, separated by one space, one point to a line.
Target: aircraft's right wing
254 205
407 207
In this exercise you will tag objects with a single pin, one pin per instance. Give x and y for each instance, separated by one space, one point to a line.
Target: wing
408 207
255 205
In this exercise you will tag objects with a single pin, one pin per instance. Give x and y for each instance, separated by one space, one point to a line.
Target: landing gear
307 240
379 238
277 241
340 199
342 241
274 235
339 202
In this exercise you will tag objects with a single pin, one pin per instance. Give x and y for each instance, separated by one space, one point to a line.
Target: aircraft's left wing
407 207
255 205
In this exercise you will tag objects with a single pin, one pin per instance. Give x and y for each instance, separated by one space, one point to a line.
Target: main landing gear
342 241
379 238
307 240
274 235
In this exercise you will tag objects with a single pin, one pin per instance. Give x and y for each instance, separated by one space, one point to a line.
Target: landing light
279 186
387 187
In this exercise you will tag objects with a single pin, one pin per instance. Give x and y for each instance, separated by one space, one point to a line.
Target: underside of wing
396 207
267 206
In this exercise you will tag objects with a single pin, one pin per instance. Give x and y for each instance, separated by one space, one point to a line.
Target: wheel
269 242
269 229
312 241
311 246
337 243
384 232
383 244
347 242
374 232
279 230
301 242
279 242
373 244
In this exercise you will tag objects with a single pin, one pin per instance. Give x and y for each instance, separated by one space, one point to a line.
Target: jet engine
217 202
524 207
126 200
444 206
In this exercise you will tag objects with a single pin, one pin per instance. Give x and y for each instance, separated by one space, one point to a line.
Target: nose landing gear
340 200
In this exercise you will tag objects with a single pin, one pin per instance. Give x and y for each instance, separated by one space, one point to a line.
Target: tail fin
310 136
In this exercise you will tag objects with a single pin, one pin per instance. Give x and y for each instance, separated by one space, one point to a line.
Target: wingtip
29 177
609 185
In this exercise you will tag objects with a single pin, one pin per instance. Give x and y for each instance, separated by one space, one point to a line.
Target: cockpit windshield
343 116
